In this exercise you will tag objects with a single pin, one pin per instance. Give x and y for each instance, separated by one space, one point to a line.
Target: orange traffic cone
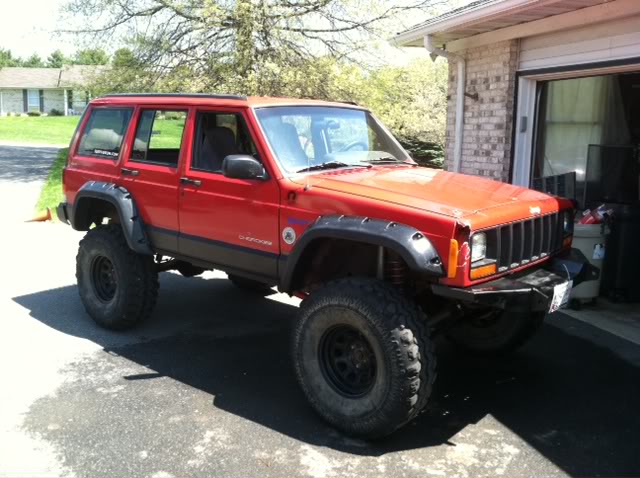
41 217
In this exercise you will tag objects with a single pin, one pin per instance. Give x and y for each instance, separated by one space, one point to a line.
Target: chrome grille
519 243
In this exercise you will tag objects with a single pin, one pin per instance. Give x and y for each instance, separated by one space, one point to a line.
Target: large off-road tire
494 332
118 287
363 356
249 285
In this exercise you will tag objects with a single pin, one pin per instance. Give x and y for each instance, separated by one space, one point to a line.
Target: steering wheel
352 145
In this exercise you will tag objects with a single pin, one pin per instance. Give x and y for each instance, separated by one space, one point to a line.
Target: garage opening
588 133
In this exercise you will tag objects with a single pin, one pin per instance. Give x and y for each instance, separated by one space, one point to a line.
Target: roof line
468 14
177 95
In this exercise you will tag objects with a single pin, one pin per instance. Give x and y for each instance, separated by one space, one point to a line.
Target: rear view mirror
242 166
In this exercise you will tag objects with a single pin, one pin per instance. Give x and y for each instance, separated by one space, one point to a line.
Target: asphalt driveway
23 170
205 387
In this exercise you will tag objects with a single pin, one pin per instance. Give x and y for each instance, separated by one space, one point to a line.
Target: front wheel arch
408 243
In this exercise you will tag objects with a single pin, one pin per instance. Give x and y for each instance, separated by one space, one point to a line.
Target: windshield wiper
330 165
386 160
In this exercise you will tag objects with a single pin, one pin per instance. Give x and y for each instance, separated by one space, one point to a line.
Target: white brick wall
53 99
488 122
12 101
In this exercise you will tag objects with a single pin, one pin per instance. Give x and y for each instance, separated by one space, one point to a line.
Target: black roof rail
177 95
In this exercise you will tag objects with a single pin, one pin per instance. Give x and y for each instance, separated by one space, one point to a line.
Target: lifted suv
321 201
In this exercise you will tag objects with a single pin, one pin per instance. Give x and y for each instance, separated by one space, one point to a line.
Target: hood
475 201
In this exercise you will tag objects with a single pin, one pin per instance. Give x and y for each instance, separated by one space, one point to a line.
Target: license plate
561 294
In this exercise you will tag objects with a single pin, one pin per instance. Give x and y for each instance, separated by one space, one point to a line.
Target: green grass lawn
51 194
166 133
38 129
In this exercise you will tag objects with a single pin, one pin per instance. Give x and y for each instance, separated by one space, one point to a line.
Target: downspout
462 79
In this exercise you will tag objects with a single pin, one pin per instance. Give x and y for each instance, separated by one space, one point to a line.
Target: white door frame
526 114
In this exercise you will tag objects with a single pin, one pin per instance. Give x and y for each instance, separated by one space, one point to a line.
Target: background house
541 88
45 89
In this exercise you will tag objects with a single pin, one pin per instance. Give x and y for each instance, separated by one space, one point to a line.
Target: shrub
55 112
425 153
34 113
173 115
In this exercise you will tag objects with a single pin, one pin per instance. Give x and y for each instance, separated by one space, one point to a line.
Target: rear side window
159 137
105 130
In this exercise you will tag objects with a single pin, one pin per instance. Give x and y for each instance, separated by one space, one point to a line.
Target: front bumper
530 290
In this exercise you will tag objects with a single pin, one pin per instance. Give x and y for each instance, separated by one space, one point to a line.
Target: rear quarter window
104 133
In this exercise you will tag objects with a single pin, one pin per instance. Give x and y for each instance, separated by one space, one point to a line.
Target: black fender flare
411 244
131 222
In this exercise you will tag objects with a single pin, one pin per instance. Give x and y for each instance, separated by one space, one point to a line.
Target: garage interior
588 129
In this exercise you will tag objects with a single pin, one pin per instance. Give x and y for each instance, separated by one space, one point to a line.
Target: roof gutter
490 10
460 89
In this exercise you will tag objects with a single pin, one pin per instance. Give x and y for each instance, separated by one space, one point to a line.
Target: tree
34 61
7 59
124 58
56 60
91 56
244 42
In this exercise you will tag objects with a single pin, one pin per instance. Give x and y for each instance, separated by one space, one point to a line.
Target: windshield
308 138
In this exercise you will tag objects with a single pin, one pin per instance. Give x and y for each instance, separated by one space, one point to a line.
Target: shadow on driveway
574 401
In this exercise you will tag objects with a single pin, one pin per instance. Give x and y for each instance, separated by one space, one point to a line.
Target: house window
33 100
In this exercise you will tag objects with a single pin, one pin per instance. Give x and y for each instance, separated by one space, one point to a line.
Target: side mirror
243 166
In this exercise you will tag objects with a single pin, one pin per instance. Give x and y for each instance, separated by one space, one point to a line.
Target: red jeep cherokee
321 201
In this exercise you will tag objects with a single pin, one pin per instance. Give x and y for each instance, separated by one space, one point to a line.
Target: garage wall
488 119
601 42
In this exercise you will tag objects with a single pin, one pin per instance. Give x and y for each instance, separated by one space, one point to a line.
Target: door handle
193 182
129 172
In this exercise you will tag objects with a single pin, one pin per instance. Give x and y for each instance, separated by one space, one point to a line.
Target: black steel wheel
347 360
104 278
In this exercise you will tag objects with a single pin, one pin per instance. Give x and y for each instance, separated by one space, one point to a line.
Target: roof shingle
67 76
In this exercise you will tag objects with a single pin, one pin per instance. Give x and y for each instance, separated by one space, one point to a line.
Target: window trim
87 124
31 91
195 148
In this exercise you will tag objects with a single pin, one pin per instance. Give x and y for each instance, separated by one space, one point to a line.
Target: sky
28 25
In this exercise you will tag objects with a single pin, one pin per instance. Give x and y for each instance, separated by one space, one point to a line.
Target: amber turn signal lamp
452 267
483 271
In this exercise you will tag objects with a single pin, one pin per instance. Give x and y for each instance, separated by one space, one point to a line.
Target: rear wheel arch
365 236
97 200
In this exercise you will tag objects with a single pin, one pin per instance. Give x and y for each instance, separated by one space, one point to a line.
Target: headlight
478 246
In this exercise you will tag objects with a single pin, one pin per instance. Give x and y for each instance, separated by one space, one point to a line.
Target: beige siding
12 101
486 148
601 42
53 99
